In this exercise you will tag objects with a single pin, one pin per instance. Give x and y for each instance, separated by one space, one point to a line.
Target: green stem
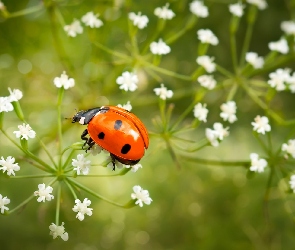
26 11
31 176
25 202
86 189
223 71
58 201
71 189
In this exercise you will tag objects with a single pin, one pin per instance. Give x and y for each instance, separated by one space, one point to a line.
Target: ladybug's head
79 117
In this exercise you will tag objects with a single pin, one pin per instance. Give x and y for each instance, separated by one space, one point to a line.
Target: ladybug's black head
78 116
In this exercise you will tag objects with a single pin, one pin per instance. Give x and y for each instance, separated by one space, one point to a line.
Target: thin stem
71 189
26 11
58 201
31 176
25 202
223 71
86 189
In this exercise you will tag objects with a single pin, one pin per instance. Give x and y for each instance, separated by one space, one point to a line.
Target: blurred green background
196 207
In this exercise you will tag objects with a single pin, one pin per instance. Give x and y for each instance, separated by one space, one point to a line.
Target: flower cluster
282 79
6 102
89 19
217 134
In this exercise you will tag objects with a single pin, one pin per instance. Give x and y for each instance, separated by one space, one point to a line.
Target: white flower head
141 195
95 149
111 163
207 36
81 164
64 81
81 208
237 9
199 9
256 61
159 48
134 168
257 165
201 112
261 4
261 124
207 63
92 20
164 12
74 28
56 231
128 81
217 134
289 148
25 132
126 106
292 182
291 82
229 110
44 193
163 92
9 165
15 95
5 104
288 27
279 78
138 20
2 6
280 46
4 201
207 81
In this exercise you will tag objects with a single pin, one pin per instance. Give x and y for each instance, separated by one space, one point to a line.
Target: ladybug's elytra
116 130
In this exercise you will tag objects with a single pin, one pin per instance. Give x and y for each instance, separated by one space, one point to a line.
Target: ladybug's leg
84 137
113 161
90 143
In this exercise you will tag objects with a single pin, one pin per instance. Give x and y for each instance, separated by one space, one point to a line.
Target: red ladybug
115 130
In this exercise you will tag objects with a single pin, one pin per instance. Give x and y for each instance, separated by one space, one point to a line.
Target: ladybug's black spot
101 135
118 124
125 149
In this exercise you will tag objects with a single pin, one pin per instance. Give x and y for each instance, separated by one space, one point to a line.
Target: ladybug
116 130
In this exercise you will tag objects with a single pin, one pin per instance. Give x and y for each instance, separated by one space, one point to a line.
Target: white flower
201 112
56 231
257 165
4 201
292 182
164 12
5 104
207 81
207 63
229 110
291 82
15 95
159 48
199 9
261 124
135 167
2 6
95 149
81 208
126 106
217 134
207 36
138 20
110 165
278 79
25 132
74 28
9 165
288 27
289 148
128 81
81 164
44 193
64 81
237 9
280 46
256 61
163 92
261 4
141 195
92 20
